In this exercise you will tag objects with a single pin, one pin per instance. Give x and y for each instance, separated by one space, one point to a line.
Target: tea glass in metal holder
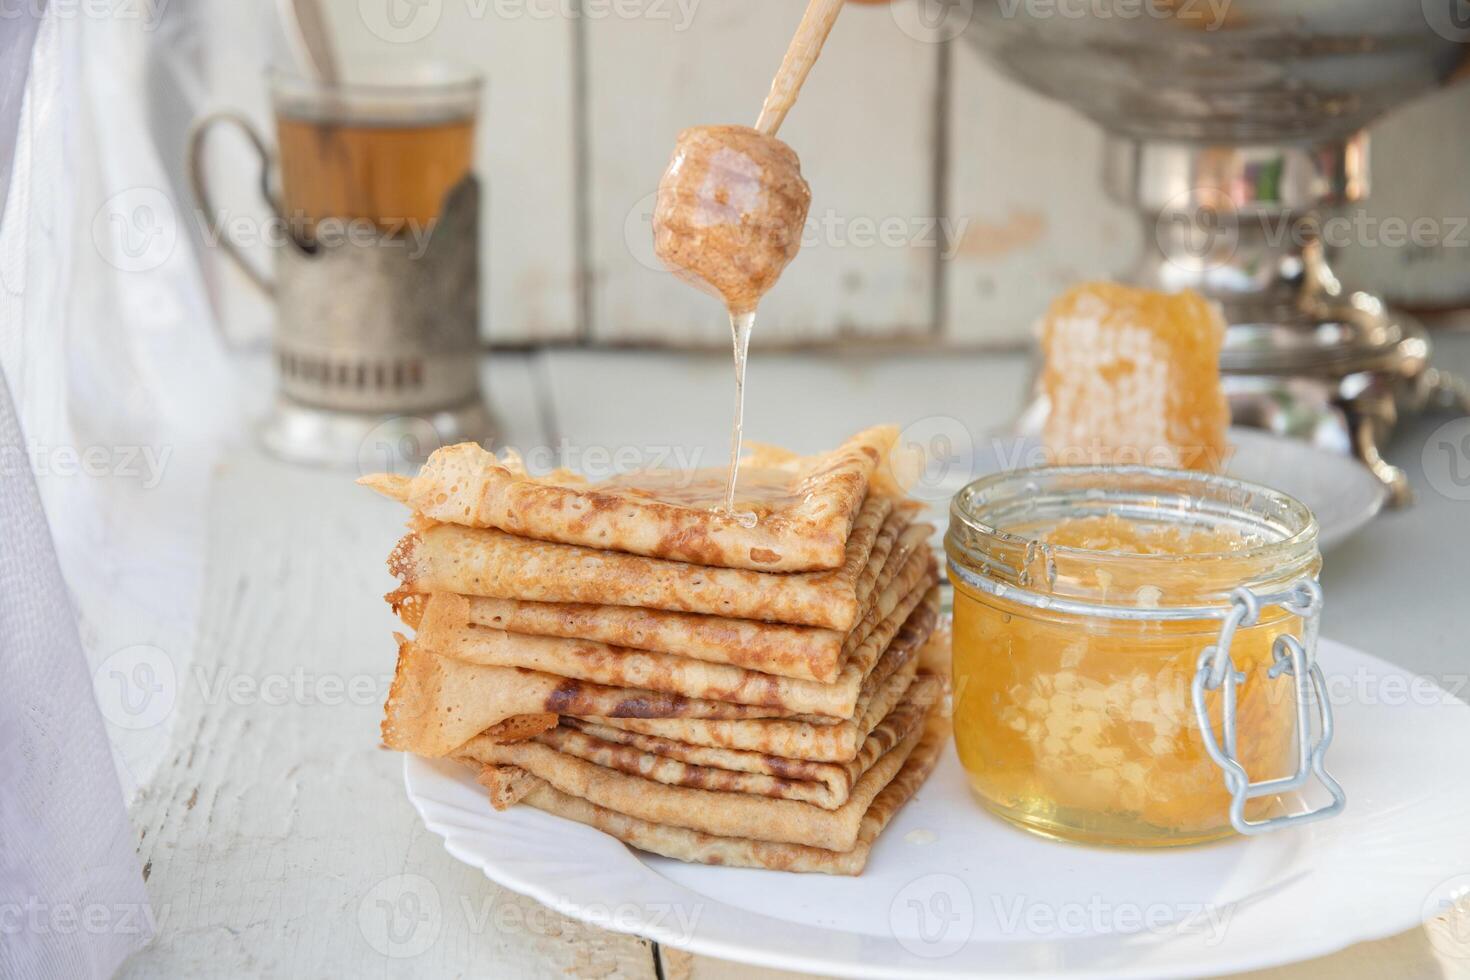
376 341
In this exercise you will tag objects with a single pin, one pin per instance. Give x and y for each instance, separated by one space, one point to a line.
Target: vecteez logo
136 230
136 687
401 21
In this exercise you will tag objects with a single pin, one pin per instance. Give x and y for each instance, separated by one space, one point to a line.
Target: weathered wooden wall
949 204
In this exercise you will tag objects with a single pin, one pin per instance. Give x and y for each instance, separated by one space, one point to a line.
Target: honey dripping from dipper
728 218
731 207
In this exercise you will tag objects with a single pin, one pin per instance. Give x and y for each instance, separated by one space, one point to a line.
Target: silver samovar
1234 129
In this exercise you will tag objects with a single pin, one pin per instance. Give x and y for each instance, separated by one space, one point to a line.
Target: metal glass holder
376 341
1292 657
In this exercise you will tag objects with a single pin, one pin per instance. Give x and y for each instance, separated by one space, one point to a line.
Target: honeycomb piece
1133 376
1130 537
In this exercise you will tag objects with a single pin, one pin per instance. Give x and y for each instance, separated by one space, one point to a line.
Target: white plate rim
1375 492
1365 928
1369 496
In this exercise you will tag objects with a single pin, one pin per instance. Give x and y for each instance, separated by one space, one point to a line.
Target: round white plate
953 891
1341 491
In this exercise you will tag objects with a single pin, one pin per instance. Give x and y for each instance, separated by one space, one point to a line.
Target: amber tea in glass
388 152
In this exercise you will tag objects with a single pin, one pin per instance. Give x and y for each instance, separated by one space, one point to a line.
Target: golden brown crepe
506 785
805 652
826 785
684 844
708 811
466 561
437 703
624 655
518 727
806 506
902 632
895 542
788 738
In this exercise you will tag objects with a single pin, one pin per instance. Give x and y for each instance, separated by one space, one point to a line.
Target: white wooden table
277 839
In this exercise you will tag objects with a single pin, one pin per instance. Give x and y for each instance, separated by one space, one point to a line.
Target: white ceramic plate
1341 491
953 891
1338 489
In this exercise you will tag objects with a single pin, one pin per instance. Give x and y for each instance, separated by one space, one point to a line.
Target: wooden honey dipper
801 54
731 208
732 204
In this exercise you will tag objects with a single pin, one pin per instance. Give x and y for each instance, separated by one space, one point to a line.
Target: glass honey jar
1133 654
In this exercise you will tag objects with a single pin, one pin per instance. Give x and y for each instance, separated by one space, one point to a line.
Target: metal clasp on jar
1290 656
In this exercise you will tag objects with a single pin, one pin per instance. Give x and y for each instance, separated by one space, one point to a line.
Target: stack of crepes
627 656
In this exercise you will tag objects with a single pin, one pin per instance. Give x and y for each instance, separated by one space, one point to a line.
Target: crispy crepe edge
701 848
466 484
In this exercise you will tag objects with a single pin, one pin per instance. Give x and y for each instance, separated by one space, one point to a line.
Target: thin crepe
906 562
505 785
703 848
787 738
467 561
908 625
804 652
708 811
806 505
437 704
826 785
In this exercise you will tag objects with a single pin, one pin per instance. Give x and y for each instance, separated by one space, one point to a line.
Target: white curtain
118 399
124 393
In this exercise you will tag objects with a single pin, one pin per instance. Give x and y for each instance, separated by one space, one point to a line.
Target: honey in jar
1078 635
